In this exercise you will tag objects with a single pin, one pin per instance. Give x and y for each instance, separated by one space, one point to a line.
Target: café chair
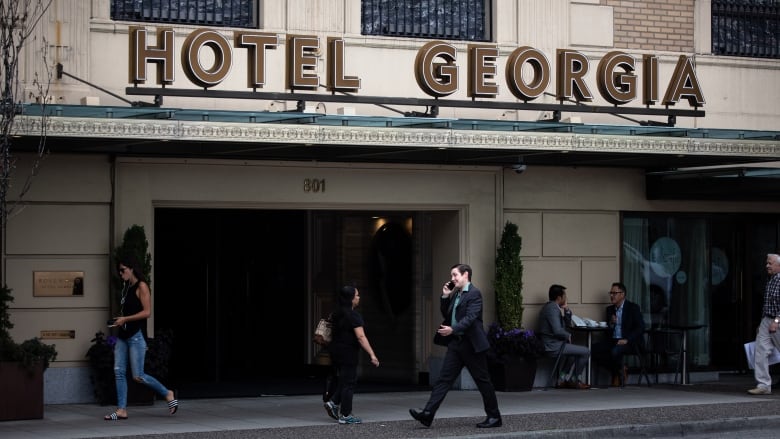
640 353
556 367
665 347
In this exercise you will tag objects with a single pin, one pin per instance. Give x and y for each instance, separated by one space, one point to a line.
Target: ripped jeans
135 346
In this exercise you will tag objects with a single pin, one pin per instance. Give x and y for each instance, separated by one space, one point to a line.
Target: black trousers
609 354
345 389
460 353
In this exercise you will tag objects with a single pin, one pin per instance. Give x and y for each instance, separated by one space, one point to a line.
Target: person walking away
467 345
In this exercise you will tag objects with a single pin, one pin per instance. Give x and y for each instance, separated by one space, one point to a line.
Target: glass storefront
702 272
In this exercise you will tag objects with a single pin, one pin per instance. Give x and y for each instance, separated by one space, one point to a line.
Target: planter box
514 375
22 394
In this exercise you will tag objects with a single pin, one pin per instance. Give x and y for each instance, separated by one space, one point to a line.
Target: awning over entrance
300 136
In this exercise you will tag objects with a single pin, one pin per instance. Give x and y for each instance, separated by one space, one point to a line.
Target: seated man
627 331
554 317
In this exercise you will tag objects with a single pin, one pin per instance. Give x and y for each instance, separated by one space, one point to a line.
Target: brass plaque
58 334
58 283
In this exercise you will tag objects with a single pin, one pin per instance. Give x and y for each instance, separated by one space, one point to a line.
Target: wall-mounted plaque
58 283
58 334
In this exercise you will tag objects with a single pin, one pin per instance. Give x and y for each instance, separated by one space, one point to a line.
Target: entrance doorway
241 290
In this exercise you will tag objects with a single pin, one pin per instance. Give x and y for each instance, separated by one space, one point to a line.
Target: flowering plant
520 342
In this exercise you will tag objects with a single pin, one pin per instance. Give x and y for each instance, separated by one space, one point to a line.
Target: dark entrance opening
231 285
239 286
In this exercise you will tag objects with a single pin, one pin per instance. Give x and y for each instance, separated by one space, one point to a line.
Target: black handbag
442 340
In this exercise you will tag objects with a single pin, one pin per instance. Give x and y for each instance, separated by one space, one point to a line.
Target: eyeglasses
613 293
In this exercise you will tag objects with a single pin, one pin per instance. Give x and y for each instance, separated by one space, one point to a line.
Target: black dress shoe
490 423
424 416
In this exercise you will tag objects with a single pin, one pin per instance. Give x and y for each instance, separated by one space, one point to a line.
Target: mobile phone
111 322
450 285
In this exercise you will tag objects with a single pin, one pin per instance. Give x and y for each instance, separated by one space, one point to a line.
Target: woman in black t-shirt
130 348
348 338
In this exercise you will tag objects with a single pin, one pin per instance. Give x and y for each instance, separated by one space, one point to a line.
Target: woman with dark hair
348 338
135 308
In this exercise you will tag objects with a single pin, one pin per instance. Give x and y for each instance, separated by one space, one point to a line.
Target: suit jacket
633 328
468 318
552 326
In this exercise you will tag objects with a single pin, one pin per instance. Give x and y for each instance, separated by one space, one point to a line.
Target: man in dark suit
464 335
628 328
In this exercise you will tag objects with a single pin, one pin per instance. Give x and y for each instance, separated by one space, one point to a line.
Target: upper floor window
438 19
228 13
748 28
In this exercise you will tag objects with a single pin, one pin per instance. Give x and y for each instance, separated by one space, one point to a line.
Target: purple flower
514 342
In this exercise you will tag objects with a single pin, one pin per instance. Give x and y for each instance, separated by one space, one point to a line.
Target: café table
589 331
684 380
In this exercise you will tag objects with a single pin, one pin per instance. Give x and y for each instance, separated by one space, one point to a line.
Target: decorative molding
206 131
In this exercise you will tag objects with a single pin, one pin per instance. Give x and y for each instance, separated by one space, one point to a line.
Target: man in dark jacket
464 335
628 328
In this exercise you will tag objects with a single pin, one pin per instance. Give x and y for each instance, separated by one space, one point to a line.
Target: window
748 28
439 19
228 13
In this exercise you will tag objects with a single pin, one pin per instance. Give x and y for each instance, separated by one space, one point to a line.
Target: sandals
114 417
173 406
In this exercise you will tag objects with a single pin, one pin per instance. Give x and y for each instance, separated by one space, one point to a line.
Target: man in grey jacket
554 317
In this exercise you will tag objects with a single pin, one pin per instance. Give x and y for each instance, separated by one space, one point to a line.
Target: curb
668 430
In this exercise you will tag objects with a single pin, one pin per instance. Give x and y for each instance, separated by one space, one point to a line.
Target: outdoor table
590 330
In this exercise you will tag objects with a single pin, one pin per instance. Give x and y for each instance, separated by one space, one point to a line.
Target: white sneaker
760 391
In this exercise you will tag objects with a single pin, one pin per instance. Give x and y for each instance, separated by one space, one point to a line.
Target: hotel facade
276 150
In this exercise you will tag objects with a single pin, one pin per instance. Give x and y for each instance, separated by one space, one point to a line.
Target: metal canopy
489 150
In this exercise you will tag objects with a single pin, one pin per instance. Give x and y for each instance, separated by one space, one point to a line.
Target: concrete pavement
658 411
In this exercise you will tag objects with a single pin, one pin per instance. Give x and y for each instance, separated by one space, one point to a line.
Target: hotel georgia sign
437 68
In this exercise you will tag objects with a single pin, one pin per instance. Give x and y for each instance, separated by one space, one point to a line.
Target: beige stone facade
569 217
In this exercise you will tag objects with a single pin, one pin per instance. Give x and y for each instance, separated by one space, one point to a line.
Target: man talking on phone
464 335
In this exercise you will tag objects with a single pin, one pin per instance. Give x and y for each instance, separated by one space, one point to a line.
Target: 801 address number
314 185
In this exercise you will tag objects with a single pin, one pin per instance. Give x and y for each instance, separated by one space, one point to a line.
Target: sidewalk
658 411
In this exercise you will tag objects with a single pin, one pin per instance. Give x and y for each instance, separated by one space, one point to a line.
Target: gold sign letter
437 79
482 67
302 62
572 67
190 57
140 54
336 79
527 91
617 88
649 79
684 84
257 43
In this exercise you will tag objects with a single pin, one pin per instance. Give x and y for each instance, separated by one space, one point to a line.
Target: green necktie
454 307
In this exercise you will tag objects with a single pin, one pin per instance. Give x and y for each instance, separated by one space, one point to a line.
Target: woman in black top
135 308
348 338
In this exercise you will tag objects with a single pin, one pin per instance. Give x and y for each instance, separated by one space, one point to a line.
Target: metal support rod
383 100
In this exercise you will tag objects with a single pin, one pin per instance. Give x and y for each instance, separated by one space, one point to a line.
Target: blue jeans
136 347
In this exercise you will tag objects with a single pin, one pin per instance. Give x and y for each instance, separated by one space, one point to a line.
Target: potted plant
509 278
513 353
21 369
